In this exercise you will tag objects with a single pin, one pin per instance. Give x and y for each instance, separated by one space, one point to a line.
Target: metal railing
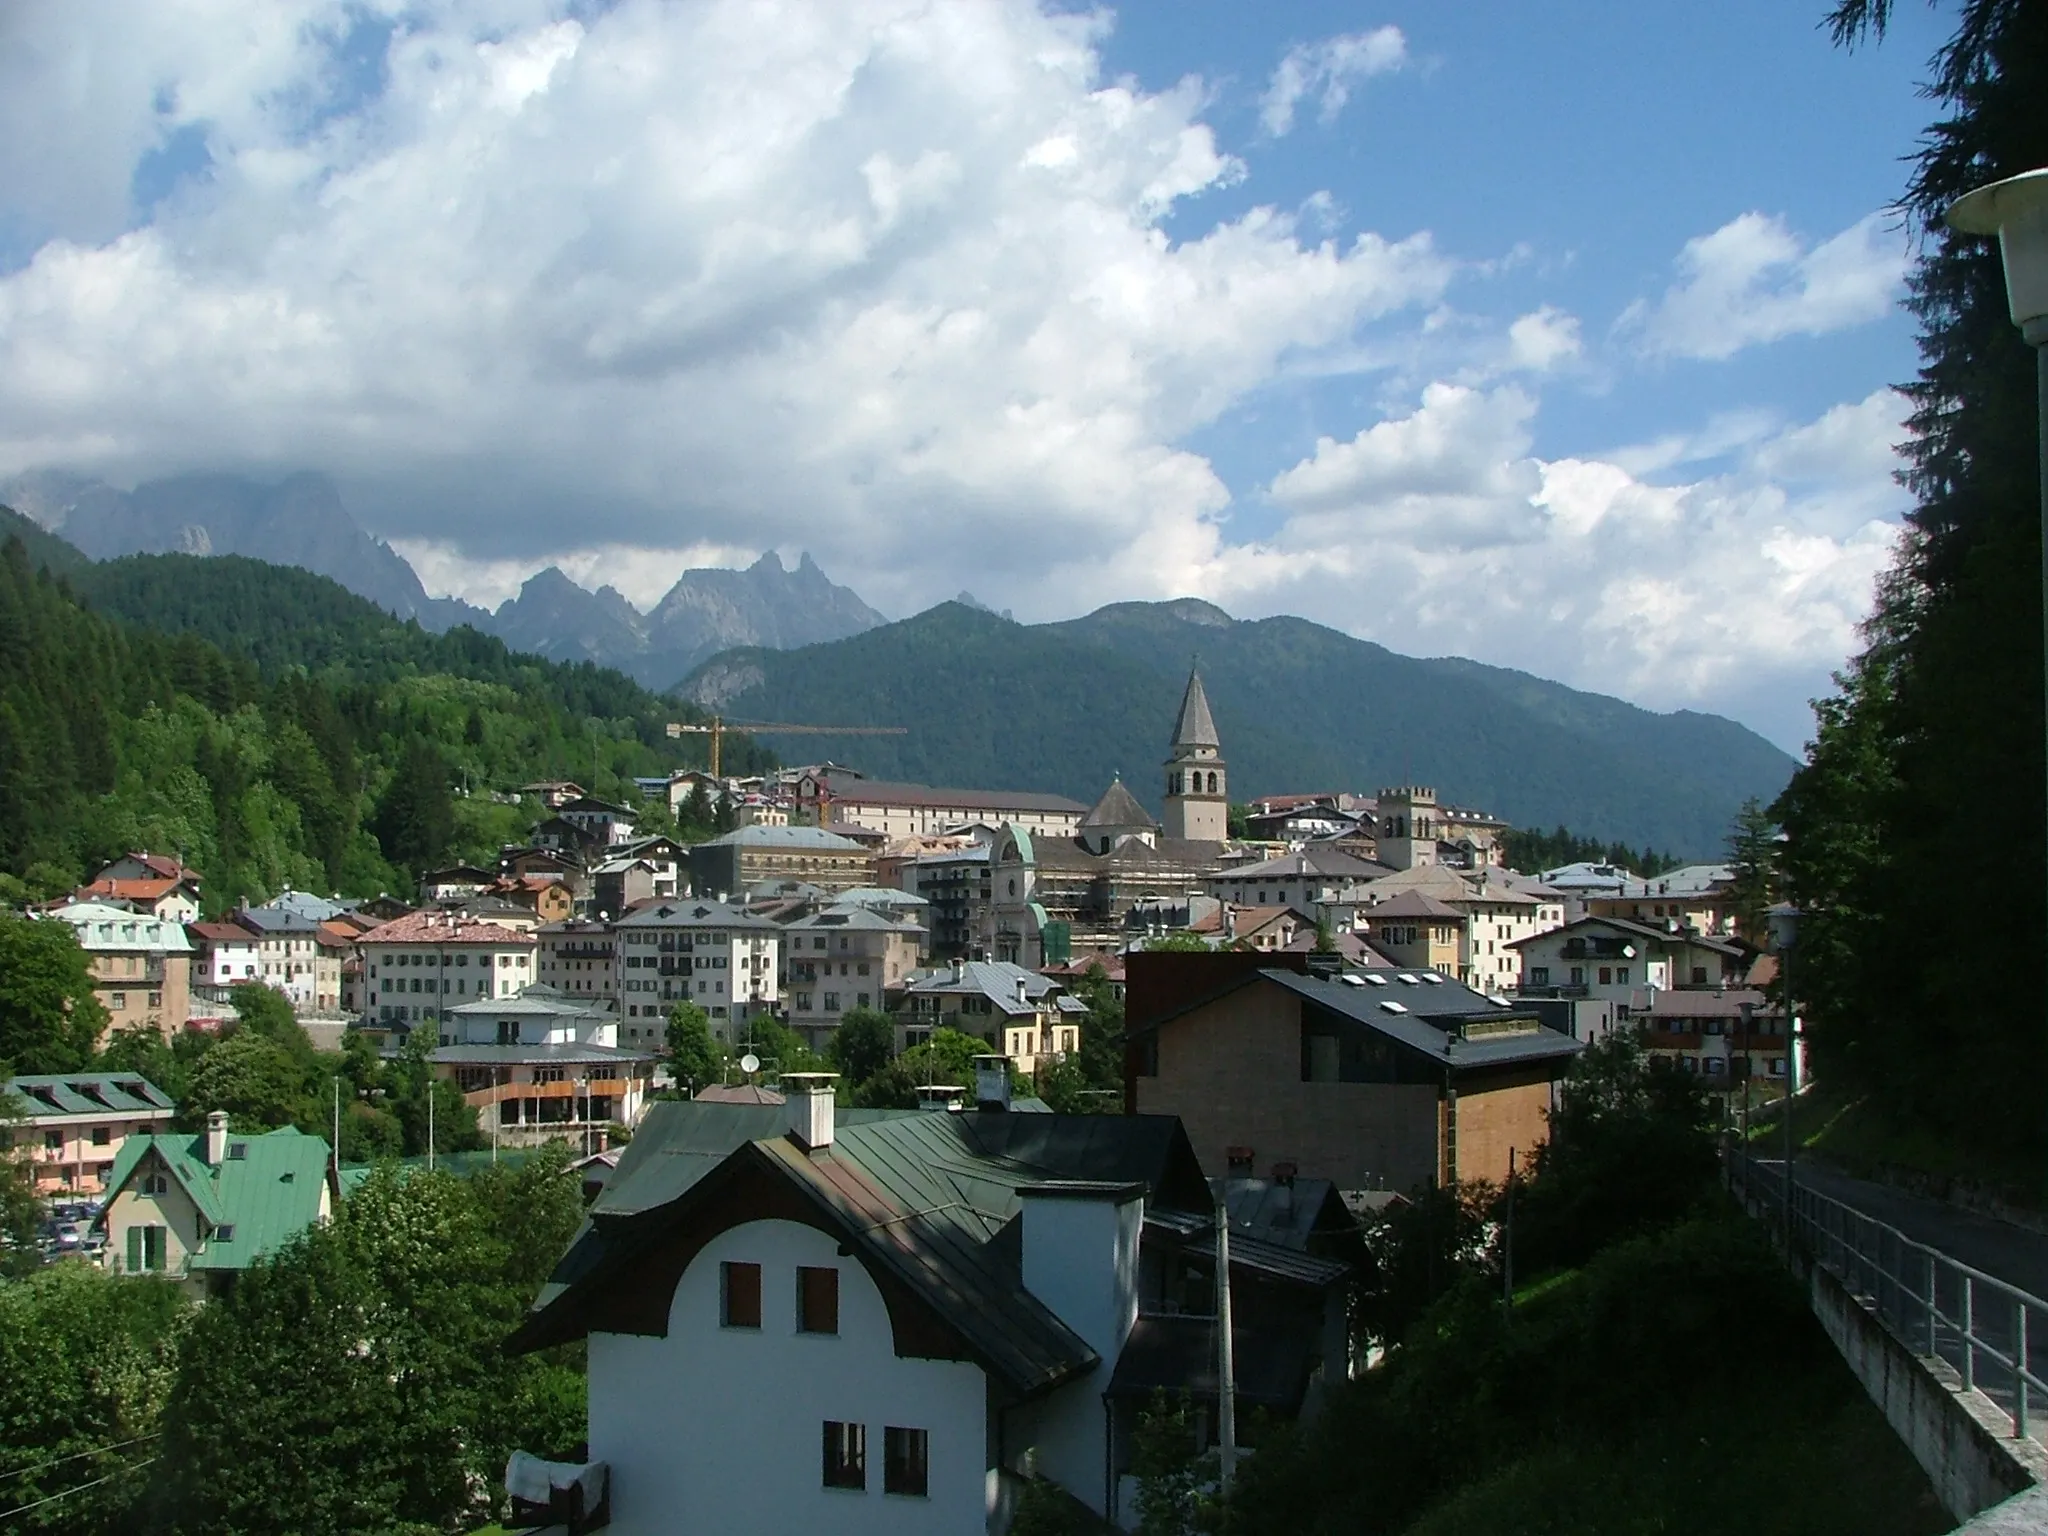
1991 1333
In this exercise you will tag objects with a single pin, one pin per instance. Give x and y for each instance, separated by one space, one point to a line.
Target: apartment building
72 1126
578 959
722 958
913 810
847 956
747 857
418 966
141 965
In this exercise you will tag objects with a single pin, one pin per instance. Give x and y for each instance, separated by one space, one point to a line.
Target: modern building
867 1323
955 883
418 966
141 965
1374 1079
736 862
542 1066
72 1126
203 1208
724 959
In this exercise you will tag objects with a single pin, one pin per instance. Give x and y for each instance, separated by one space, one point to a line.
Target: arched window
1212 783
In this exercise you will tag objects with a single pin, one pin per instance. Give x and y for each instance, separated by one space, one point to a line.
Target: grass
1816 1464
1853 1134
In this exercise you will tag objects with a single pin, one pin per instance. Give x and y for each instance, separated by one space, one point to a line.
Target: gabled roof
1415 904
536 1001
883 792
805 839
1648 932
685 912
438 927
1118 807
1311 859
995 980
1195 728
223 933
929 1200
267 1195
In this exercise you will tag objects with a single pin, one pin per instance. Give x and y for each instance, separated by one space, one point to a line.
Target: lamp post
1784 919
2016 210
1748 1029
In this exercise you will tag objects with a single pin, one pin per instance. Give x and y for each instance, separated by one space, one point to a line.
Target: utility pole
1226 1363
337 1128
430 1119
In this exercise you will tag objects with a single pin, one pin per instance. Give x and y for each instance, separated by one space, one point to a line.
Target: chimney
811 1103
216 1138
1023 992
992 1082
1080 1257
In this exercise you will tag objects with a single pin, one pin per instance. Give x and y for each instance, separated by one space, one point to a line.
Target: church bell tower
1197 787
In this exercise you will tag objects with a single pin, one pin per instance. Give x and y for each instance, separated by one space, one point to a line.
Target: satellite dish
750 1063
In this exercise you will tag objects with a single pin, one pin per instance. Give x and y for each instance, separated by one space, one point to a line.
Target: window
1621 974
905 1461
155 1184
1606 975
145 1248
224 1232
1539 976
1578 975
817 1299
117 1000
53 1141
1699 975
102 1135
846 1455
739 1287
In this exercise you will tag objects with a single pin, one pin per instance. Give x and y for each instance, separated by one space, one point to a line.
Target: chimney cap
1121 1191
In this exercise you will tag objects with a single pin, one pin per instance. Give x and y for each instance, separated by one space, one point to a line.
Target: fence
1993 1334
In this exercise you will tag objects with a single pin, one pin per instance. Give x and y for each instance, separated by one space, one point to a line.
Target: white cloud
1543 340
1326 71
1441 529
1753 281
880 279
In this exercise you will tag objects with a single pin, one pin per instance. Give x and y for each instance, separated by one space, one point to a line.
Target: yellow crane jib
716 728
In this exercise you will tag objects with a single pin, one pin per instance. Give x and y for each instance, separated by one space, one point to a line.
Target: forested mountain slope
1062 707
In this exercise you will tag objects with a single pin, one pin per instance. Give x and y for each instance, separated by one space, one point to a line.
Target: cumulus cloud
856 278
1753 280
1441 528
1326 71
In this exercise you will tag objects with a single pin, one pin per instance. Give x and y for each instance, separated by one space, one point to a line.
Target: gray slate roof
815 839
1195 728
86 1095
1118 807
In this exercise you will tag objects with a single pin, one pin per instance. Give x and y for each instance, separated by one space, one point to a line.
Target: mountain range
1066 707
988 702
301 521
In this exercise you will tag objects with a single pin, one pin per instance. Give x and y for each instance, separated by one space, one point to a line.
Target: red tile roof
443 928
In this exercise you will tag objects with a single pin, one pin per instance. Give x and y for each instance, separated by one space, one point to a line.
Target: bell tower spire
1197 784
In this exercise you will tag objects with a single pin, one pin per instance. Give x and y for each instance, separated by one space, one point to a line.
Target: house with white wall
878 1321
720 957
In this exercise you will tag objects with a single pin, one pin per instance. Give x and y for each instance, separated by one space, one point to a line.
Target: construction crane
717 728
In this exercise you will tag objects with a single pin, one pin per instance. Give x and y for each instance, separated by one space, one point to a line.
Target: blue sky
1558 337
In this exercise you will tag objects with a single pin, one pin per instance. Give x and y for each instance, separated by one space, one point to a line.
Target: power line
22 1509
43 1466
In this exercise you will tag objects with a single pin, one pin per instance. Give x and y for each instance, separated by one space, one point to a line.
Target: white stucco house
879 1321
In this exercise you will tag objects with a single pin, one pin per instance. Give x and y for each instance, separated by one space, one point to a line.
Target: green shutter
134 1249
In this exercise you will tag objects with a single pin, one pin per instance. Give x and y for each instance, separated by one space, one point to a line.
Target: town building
552 793
914 810
546 900
1392 1078
419 965
955 885
1697 896
578 959
735 863
1416 930
141 965
604 824
876 1322
72 1126
454 883
1415 829
203 1208
724 959
1728 1035
224 953
1029 1018
174 899
1318 881
1619 961
1251 927
148 866
850 955
543 1065
293 955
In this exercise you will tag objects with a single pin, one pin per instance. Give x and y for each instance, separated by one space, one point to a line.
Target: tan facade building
730 866
141 965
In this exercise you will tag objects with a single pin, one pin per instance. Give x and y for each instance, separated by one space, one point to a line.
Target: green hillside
45 550
277 730
1062 707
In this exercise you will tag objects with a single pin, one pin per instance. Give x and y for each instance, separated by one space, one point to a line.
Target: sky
1558 337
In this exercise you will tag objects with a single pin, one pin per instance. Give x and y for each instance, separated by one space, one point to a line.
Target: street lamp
2016 210
1784 922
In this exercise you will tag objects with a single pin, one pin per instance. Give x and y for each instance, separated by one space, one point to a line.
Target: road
1895 1278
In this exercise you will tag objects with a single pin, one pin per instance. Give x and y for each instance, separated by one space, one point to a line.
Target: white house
417 966
543 1064
878 1327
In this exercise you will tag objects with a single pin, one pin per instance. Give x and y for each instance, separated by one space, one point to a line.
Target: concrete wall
1961 1440
720 1429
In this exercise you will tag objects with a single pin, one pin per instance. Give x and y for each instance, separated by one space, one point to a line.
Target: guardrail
1990 1332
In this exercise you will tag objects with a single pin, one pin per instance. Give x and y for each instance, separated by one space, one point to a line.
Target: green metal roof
265 1196
90 1094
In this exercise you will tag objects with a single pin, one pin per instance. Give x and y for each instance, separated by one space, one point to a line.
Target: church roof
1195 728
1118 807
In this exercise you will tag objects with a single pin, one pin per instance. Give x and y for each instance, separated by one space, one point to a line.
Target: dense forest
1928 759
278 731
1532 850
